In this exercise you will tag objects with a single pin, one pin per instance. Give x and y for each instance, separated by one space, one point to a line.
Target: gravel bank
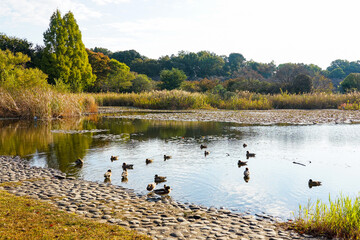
256 117
159 218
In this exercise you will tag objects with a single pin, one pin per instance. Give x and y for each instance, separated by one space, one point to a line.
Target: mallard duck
114 158
107 174
148 160
206 153
163 191
314 183
203 146
249 154
127 166
159 179
244 145
124 174
79 162
242 163
150 186
246 172
246 179
166 157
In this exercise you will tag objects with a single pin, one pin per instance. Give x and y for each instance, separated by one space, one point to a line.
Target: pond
328 153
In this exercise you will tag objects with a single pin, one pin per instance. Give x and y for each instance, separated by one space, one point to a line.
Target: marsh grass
24 218
43 103
177 99
339 218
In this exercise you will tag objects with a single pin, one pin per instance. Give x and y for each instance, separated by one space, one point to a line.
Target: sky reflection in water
276 185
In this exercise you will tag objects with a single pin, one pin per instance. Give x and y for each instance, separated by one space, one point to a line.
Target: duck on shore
163 191
150 186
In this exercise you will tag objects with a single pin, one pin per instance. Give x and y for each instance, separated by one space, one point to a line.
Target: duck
127 166
166 157
124 174
148 160
248 154
124 179
314 183
107 180
203 146
150 186
247 172
159 179
163 191
242 163
244 145
206 153
114 158
79 162
246 179
107 174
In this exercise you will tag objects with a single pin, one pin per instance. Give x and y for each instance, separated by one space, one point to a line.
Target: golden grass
177 99
23 218
339 218
44 103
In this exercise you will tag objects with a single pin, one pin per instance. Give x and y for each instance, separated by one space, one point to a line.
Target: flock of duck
160 179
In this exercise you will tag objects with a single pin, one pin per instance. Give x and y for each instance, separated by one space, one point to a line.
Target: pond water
276 186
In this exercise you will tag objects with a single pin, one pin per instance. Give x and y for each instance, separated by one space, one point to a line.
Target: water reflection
286 158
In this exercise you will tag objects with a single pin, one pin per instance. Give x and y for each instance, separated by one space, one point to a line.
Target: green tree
322 84
302 84
172 79
120 77
64 55
235 61
126 56
13 74
104 51
351 83
141 83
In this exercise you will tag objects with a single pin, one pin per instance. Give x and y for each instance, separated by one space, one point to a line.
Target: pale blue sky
298 31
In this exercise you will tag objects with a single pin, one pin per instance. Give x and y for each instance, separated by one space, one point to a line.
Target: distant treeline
71 67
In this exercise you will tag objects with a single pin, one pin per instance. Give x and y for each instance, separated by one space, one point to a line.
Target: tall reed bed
177 99
43 103
339 218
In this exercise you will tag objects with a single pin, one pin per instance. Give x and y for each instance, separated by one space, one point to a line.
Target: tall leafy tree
64 55
172 78
351 83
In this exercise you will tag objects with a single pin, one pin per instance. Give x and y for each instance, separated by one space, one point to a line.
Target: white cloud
39 12
105 2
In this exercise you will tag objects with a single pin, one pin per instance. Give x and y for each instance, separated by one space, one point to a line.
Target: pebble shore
160 218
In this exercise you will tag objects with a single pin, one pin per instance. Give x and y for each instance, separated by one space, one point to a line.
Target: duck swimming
107 174
242 163
127 166
203 146
79 162
159 179
163 191
248 154
148 160
244 145
114 158
166 157
206 153
314 183
247 173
